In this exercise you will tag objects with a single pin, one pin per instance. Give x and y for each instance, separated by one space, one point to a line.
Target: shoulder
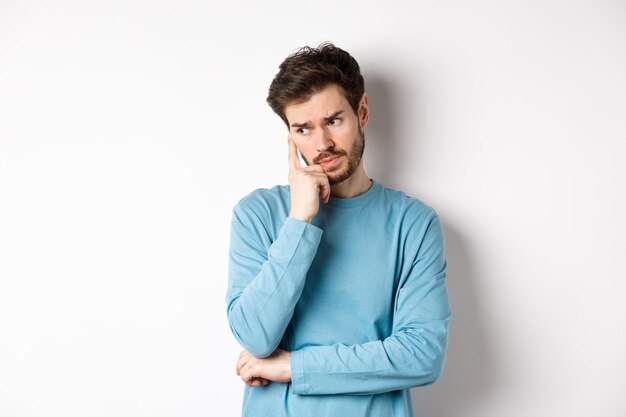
408 208
262 203
419 227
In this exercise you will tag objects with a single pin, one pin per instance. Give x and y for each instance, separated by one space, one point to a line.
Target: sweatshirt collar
358 200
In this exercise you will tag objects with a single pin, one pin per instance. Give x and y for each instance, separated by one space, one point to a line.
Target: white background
129 130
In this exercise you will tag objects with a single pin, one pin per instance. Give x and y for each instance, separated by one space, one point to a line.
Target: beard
354 159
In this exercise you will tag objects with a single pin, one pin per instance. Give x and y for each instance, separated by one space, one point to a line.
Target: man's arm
266 279
412 356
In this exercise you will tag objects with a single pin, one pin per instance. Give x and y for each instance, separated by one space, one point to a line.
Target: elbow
432 372
258 350
426 377
252 339
432 376
428 367
434 360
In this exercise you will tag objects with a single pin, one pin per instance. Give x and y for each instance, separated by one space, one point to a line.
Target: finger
321 180
241 363
324 187
243 359
244 353
314 168
246 373
294 161
238 366
245 378
258 381
249 380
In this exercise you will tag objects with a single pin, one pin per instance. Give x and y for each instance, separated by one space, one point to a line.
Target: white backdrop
128 131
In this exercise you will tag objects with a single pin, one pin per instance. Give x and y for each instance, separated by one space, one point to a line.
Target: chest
352 281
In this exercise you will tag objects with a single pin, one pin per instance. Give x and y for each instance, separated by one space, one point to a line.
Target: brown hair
309 70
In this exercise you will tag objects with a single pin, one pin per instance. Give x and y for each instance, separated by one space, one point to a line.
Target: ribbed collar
373 191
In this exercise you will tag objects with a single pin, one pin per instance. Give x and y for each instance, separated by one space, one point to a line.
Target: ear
364 111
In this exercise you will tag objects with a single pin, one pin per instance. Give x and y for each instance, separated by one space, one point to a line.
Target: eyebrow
307 123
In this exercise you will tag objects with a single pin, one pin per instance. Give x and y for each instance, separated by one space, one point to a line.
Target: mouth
328 162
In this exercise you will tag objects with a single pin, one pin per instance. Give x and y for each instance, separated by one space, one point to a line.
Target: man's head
320 95
308 70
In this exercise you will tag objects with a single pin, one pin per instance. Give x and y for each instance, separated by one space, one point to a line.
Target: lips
327 160
330 157
328 163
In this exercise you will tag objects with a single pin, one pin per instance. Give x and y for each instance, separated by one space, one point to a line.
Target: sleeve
413 355
266 279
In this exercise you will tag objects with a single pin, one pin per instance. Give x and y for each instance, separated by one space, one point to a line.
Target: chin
337 177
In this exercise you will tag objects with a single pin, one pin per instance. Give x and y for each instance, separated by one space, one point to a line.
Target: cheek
304 147
345 138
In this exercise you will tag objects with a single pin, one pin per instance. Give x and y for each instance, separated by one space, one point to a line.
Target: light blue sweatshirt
358 297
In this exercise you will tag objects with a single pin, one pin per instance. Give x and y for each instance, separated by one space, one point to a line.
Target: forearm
412 355
406 359
261 301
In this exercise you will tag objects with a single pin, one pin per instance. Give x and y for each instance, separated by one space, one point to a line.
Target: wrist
300 217
288 367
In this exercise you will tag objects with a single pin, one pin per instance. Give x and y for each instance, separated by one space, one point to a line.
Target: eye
303 130
334 122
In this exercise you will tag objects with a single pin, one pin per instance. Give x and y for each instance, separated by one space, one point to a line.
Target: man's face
327 132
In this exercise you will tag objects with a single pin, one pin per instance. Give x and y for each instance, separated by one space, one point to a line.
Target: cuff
308 231
298 383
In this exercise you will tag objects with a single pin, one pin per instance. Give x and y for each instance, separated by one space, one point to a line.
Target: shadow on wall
469 375
380 133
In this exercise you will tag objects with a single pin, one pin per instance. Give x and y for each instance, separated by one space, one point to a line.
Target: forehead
320 105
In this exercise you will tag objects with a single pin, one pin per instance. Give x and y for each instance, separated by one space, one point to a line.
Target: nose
324 140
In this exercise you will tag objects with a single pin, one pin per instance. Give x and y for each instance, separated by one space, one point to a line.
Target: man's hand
255 372
306 184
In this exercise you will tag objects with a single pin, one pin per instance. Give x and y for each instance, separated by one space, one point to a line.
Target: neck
357 184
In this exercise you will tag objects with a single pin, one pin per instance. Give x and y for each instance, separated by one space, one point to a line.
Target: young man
336 283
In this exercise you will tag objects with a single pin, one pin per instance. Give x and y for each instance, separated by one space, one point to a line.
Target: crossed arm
265 285
260 371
